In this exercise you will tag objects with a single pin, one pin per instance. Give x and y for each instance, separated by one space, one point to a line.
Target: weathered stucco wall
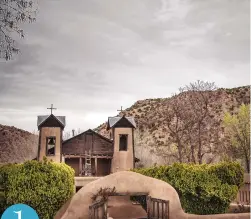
83 181
122 160
131 182
50 132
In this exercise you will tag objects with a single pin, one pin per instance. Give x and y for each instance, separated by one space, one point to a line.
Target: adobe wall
83 181
122 160
47 132
131 182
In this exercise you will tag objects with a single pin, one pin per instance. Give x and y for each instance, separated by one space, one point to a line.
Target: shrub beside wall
203 189
2 195
229 172
45 186
4 169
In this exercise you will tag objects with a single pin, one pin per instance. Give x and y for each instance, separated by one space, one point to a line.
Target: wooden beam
92 141
96 165
94 153
131 194
83 156
80 165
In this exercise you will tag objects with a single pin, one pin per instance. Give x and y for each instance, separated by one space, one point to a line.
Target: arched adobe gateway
131 183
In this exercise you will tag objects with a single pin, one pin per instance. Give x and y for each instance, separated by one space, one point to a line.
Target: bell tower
122 132
50 136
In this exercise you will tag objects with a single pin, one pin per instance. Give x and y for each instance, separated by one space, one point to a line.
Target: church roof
42 119
89 130
112 121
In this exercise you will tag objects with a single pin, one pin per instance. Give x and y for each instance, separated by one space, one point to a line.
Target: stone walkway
120 207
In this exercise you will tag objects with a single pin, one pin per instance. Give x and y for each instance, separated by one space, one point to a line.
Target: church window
123 142
50 146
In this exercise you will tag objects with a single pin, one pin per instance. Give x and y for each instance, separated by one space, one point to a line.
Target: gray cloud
89 57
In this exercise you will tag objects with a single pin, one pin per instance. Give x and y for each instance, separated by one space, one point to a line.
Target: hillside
153 142
17 145
152 139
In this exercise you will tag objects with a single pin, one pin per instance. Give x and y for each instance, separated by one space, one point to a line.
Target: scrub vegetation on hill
186 127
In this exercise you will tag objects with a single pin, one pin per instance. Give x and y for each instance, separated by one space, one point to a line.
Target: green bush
4 169
229 172
45 185
203 189
2 195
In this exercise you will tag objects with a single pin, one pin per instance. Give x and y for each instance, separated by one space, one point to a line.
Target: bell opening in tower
50 146
123 142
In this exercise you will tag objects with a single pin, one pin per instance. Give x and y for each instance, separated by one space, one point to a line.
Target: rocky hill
17 145
152 132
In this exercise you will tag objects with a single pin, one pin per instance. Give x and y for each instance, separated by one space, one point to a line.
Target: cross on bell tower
121 109
121 128
50 136
51 108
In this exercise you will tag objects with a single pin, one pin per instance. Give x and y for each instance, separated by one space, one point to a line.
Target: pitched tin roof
42 119
113 120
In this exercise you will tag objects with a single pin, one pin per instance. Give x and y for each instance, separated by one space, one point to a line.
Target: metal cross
120 109
51 108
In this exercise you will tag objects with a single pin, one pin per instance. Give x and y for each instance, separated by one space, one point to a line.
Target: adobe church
88 153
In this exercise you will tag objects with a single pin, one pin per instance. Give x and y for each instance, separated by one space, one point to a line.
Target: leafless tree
197 103
66 135
12 14
178 121
190 126
70 134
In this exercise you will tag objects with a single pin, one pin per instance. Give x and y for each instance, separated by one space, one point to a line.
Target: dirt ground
120 207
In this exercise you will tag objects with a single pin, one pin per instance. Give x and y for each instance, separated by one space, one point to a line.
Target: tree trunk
247 161
179 150
192 149
200 146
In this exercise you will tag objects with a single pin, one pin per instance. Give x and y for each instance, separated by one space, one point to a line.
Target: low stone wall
237 208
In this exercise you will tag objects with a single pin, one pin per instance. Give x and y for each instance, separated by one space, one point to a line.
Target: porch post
80 166
96 166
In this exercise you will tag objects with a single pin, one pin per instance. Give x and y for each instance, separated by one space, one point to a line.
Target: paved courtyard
120 207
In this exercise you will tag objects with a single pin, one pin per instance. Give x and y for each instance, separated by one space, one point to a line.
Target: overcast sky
89 57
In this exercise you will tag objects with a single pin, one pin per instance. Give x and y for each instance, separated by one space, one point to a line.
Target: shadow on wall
63 209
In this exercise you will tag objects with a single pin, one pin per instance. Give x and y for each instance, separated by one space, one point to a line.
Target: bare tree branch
189 122
12 14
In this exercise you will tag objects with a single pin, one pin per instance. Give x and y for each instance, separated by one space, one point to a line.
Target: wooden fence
243 196
157 208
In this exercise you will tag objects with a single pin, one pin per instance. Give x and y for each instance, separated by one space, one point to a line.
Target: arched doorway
121 206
